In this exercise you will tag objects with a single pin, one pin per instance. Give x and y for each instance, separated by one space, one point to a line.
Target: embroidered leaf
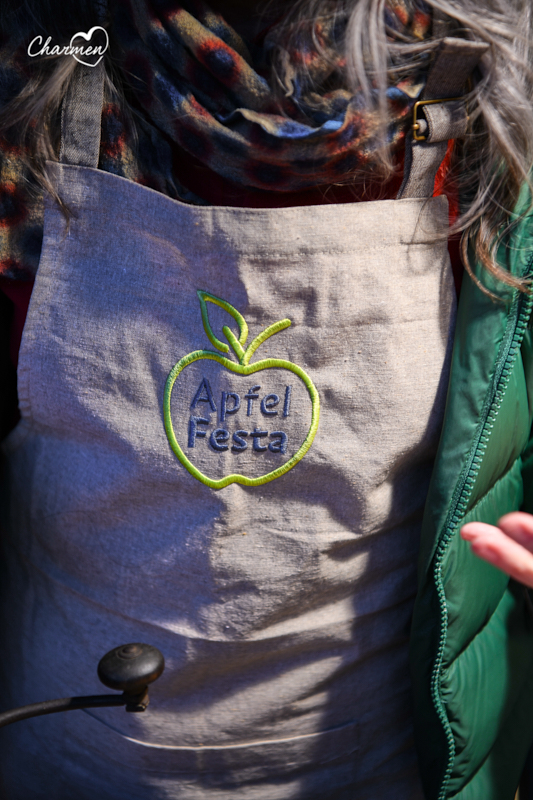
267 333
236 344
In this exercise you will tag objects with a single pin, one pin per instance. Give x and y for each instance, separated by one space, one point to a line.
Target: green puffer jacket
472 637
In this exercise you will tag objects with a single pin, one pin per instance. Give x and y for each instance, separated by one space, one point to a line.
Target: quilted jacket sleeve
472 637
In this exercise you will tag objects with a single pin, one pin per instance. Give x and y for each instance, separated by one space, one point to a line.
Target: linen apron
244 495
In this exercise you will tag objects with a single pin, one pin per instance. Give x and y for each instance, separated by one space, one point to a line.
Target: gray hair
494 160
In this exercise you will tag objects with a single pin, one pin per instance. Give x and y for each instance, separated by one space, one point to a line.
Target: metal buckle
416 124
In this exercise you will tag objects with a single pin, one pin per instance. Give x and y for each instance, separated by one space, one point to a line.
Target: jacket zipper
517 323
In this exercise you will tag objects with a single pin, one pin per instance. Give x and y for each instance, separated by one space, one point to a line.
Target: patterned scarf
195 84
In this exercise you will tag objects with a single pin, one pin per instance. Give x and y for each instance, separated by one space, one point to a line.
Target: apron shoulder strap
81 116
440 115
81 111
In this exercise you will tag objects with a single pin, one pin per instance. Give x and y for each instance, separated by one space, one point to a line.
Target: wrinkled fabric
196 85
282 608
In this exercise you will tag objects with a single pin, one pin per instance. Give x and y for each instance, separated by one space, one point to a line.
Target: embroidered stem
234 342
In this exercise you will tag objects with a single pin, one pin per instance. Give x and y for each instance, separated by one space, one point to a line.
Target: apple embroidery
268 438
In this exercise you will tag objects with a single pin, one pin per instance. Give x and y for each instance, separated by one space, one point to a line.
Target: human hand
508 546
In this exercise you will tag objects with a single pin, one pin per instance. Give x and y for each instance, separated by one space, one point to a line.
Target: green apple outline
243 367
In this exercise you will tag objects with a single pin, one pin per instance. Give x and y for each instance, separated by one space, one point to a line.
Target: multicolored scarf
195 85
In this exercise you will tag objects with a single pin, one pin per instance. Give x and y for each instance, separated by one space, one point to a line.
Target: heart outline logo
88 36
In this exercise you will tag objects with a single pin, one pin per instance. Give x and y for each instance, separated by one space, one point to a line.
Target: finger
498 549
518 526
472 530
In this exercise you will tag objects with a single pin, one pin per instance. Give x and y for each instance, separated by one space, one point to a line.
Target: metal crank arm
129 668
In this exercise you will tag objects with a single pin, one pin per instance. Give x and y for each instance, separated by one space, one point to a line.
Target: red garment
19 292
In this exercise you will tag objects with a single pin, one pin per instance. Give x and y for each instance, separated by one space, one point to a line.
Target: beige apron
242 494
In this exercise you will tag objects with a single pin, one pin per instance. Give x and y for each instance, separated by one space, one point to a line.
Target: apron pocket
256 760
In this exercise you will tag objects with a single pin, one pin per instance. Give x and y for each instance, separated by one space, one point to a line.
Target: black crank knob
131 667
